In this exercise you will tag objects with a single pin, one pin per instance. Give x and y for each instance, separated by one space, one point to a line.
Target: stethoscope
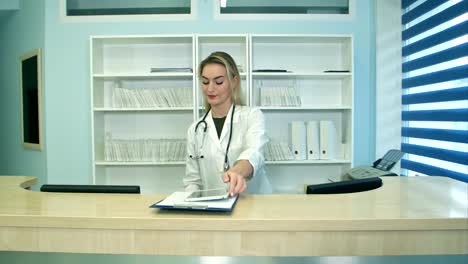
202 123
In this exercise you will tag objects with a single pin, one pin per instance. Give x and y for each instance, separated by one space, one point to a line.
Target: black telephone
380 167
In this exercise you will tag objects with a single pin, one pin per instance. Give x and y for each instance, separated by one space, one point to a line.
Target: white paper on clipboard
177 201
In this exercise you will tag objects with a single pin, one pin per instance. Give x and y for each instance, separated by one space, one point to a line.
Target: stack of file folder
278 150
280 96
151 150
152 97
313 139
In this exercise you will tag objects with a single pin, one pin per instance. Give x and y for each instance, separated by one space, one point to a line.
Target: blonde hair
224 59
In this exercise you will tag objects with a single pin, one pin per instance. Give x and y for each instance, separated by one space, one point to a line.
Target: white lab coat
247 143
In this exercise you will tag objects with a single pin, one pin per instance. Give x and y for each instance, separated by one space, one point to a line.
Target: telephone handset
380 167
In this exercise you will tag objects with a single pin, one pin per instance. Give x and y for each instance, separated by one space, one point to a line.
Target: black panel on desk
90 188
351 186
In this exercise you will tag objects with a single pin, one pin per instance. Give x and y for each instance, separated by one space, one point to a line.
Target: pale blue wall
21 30
9 4
68 80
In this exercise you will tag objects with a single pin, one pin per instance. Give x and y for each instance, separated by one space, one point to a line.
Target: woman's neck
220 110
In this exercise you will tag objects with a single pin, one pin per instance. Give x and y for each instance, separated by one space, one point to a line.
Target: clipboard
176 201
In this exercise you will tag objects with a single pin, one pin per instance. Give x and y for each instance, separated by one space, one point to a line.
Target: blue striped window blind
435 88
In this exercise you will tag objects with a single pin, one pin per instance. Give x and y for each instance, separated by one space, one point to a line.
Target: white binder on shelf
297 139
313 143
328 140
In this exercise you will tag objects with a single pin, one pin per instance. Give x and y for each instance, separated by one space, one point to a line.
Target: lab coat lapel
212 131
227 126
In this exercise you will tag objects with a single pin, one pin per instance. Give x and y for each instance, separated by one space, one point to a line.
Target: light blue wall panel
20 31
9 4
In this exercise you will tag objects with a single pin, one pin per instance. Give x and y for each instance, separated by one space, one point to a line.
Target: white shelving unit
125 62
318 69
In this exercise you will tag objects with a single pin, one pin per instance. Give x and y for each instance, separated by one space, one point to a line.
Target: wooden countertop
407 215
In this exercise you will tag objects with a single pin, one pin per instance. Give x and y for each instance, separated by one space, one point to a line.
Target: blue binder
176 201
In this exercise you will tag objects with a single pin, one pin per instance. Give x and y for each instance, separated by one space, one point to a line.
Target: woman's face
215 85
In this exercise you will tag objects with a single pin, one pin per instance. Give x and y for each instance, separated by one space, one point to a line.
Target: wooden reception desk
406 216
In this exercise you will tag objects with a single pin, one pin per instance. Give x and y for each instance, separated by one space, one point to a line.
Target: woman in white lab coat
227 127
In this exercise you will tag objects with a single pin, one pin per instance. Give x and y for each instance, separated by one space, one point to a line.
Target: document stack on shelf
151 97
276 150
280 96
150 150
